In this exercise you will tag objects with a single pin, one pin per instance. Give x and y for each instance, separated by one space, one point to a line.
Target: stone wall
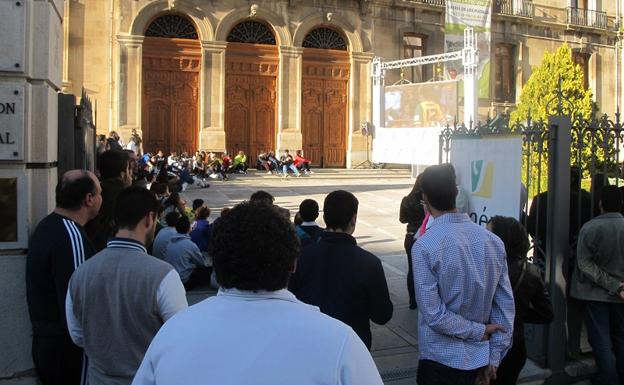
32 48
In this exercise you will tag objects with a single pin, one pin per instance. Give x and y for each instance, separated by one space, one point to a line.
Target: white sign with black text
11 121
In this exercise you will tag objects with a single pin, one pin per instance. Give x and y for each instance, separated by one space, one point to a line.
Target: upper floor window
172 26
582 60
504 74
415 45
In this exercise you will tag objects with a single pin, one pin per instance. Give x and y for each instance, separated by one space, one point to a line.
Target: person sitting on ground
275 164
215 167
344 280
116 175
200 234
264 162
240 163
226 163
302 163
161 190
196 205
531 297
172 159
256 325
118 299
199 167
288 164
184 255
165 234
308 231
263 197
175 202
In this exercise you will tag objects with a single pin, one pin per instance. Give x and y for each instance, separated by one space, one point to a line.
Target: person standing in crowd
532 301
344 280
135 142
57 247
120 298
598 281
258 328
165 234
240 164
308 231
465 300
116 174
112 143
101 144
413 213
186 258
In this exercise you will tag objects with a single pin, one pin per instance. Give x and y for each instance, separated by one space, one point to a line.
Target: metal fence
566 160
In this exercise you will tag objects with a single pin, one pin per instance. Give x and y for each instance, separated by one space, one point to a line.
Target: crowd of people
108 270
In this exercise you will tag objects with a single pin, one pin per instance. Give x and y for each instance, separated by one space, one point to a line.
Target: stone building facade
287 92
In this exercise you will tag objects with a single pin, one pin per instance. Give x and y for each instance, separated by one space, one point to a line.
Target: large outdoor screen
431 104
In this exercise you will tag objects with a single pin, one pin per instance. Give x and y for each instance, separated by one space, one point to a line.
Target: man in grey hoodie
184 255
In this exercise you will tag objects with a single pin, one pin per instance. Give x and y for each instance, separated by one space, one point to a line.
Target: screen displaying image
432 104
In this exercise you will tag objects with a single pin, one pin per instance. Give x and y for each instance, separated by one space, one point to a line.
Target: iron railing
439 3
586 18
521 8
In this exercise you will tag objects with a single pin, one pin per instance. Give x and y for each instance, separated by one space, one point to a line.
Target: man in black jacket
345 281
57 247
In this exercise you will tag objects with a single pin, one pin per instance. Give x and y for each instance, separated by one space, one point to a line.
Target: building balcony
438 3
519 8
586 18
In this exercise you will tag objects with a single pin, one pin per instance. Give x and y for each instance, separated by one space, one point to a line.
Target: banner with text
478 15
489 174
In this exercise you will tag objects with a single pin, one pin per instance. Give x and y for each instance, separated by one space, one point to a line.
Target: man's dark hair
133 204
267 257
309 210
513 235
172 218
71 192
158 188
197 203
262 196
611 198
112 163
202 213
183 225
438 183
339 208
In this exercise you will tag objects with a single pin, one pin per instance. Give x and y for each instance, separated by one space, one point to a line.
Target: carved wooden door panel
170 103
312 120
335 125
237 113
263 115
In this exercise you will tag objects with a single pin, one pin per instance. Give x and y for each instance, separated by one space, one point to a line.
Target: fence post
557 242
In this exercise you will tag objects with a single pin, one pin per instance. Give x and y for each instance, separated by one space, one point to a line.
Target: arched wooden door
324 99
170 103
251 89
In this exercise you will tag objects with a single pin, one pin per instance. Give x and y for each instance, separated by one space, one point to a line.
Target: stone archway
324 97
171 65
251 70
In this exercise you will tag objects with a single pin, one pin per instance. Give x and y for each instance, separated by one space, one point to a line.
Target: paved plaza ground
395 345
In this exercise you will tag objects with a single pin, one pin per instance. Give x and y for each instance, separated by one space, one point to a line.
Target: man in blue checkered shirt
465 300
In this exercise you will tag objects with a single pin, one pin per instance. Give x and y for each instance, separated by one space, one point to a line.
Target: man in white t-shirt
255 331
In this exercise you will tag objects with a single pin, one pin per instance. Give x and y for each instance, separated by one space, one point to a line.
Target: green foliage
539 95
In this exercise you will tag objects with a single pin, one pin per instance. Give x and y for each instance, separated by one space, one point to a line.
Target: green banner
478 15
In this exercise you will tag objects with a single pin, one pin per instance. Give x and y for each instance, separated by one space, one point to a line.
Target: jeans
605 329
58 360
291 167
434 373
408 243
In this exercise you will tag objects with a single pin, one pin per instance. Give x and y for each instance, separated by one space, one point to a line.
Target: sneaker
184 186
269 172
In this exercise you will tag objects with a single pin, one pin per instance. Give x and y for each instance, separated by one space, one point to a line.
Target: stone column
289 99
212 101
129 84
30 77
360 99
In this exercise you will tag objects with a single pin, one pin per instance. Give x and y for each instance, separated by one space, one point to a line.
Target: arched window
172 26
324 38
252 32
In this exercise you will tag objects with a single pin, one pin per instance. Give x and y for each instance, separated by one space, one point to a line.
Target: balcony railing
439 3
521 8
586 18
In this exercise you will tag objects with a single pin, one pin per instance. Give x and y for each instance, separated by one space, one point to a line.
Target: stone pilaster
212 101
129 83
359 107
289 99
